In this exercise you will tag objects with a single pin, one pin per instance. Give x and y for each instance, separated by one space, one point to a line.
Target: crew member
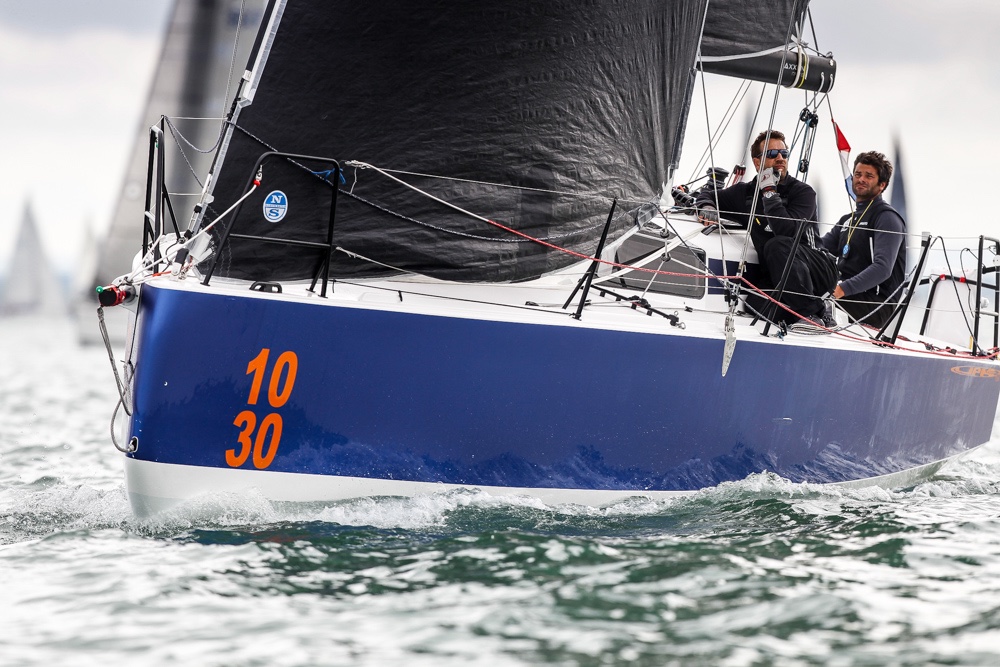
868 244
783 203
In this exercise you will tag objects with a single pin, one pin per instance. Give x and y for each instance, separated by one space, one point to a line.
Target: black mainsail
534 115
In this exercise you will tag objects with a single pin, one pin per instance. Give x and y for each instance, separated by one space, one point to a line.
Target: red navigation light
110 295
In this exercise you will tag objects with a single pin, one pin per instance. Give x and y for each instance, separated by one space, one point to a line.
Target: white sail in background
84 306
30 286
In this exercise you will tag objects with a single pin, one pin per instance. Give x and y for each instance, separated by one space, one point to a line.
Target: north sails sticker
275 206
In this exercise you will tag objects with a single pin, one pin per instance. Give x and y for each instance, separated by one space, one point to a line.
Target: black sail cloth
536 114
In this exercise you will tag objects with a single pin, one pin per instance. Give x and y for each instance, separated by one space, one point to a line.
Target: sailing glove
708 215
769 179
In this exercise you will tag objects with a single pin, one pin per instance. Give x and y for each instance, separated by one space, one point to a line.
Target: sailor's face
866 185
779 162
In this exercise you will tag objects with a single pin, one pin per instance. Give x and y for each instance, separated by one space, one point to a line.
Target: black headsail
757 40
531 114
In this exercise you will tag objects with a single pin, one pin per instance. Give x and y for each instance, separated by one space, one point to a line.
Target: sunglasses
772 153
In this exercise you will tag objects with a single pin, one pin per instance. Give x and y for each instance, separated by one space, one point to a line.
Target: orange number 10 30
264 445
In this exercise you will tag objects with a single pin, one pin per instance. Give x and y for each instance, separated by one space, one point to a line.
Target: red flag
844 149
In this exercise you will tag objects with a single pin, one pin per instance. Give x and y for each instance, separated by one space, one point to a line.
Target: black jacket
775 216
876 258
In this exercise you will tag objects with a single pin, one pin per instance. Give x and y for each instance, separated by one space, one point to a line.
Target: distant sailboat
85 266
194 71
31 286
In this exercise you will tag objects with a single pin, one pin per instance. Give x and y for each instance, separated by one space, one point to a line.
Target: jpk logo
977 372
275 206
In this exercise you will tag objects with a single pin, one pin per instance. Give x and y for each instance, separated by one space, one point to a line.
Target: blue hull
389 395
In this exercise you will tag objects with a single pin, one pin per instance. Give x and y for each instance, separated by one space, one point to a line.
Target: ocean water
757 572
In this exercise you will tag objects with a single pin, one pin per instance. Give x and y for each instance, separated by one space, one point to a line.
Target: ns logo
275 206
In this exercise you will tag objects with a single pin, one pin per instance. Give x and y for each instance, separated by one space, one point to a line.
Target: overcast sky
923 70
74 75
73 79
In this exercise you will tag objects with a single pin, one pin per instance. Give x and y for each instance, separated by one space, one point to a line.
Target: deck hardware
591 271
264 286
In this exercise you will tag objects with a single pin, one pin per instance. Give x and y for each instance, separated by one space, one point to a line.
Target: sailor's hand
769 179
838 292
708 215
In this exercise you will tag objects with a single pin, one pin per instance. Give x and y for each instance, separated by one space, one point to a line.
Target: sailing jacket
774 216
876 258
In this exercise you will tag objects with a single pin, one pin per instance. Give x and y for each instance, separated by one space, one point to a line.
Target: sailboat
442 246
199 64
31 287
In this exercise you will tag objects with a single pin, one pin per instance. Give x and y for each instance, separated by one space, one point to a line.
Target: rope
114 439
122 401
428 225
523 237
739 278
111 358
582 195
385 171
958 298
742 279
232 65
147 263
536 308
762 293
179 138
727 119
711 157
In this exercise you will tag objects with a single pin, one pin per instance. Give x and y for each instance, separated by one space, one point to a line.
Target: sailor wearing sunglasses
782 203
